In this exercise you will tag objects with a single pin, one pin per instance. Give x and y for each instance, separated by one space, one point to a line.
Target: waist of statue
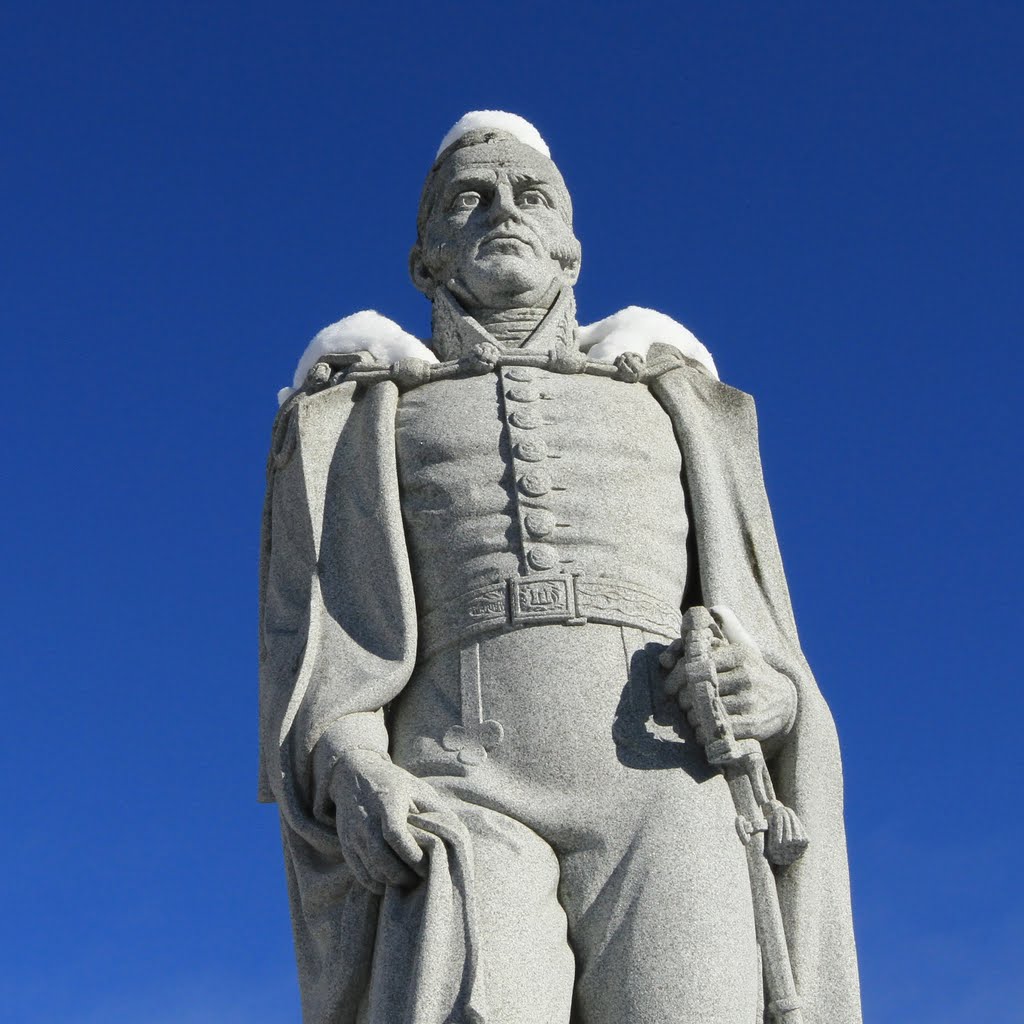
546 599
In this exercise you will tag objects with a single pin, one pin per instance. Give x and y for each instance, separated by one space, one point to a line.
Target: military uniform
497 560
547 526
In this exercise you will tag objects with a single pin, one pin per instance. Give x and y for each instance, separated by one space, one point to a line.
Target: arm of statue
760 700
373 798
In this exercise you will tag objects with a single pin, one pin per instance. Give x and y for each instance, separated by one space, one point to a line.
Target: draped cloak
338 641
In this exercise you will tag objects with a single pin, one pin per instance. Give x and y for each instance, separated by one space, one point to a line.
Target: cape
338 642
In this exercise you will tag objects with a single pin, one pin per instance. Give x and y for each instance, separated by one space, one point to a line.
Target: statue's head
495 219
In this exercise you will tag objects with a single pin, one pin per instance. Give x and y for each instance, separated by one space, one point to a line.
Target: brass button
526 419
535 484
523 393
541 557
539 522
531 451
519 373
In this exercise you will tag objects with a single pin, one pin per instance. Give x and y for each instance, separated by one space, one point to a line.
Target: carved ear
571 262
573 270
421 276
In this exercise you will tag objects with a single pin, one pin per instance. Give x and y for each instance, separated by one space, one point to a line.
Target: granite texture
516 782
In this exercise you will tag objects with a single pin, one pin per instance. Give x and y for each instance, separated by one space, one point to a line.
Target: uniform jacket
338 639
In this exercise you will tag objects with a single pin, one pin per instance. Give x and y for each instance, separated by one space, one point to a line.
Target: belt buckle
539 599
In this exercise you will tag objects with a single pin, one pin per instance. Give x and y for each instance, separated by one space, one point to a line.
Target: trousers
610 882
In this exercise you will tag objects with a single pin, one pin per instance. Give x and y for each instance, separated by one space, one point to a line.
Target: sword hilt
786 840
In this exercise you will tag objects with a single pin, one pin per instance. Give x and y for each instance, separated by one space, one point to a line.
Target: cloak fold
740 566
338 642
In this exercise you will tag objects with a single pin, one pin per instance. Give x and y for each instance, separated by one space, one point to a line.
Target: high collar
456 333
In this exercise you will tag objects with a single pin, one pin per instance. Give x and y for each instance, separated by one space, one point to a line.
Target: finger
732 628
407 850
728 657
670 655
399 837
354 862
675 681
737 680
426 799
685 698
378 859
746 727
736 705
383 865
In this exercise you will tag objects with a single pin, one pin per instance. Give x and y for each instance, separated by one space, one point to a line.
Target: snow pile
635 329
499 120
365 331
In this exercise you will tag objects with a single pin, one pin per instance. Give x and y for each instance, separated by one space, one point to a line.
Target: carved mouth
505 237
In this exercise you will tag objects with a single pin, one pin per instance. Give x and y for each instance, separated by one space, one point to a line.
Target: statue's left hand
761 701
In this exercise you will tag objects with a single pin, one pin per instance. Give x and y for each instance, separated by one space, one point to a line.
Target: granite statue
533 706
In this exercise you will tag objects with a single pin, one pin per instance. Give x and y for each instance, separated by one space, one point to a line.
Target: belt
555 598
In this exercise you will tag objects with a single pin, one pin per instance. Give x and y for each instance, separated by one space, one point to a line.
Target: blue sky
828 195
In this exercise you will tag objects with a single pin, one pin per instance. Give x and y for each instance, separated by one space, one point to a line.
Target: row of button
536 483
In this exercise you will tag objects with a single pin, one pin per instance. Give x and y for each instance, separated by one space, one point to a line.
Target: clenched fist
760 701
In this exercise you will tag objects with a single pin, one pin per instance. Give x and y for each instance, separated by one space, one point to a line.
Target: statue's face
499 234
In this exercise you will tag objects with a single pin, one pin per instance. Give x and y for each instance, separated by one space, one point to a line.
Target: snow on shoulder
635 329
365 331
499 120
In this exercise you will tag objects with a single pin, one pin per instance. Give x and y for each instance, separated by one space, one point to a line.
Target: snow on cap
500 121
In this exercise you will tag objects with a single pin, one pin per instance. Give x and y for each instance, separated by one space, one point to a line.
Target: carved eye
466 201
532 197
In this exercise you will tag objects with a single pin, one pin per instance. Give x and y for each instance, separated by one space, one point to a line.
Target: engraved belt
545 600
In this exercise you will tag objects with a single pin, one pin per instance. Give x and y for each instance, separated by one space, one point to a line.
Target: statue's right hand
373 799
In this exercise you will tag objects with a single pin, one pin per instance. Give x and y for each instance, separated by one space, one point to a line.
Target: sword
771 833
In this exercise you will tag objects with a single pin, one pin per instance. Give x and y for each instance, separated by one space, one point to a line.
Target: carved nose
503 206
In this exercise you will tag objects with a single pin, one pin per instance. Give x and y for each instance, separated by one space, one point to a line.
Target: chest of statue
529 475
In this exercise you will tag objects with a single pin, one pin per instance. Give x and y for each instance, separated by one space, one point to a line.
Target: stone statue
517 784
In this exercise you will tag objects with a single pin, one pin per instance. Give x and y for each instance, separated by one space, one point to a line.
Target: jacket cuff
362 730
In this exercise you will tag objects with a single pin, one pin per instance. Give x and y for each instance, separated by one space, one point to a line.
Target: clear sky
828 195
